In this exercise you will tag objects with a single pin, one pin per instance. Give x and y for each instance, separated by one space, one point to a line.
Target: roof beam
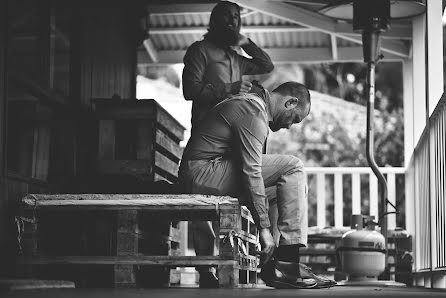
317 21
151 50
340 28
244 29
180 8
279 55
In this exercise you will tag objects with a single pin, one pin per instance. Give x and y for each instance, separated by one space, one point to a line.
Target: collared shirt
237 127
209 72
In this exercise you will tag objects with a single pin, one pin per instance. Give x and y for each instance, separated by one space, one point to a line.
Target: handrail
351 170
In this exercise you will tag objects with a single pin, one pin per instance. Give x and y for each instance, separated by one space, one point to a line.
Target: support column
228 275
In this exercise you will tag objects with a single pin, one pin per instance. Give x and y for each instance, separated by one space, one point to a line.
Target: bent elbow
188 94
269 67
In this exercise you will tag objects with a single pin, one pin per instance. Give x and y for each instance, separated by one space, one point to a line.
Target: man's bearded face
227 25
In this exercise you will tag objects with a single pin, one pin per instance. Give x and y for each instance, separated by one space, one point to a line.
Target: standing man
224 157
213 69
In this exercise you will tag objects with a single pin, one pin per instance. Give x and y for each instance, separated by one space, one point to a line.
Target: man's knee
295 163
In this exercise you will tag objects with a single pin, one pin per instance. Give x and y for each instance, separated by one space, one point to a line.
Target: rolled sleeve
250 133
259 64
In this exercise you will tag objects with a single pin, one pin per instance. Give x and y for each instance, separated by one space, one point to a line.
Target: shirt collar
261 92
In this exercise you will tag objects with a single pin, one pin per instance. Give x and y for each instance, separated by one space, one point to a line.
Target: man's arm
194 86
250 132
259 64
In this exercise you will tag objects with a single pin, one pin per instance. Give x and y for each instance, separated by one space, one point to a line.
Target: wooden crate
138 138
118 255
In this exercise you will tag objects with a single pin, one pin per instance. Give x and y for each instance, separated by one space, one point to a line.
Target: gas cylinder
362 250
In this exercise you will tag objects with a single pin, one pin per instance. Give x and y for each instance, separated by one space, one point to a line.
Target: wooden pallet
121 254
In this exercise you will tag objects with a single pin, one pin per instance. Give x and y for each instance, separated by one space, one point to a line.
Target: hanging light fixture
371 18
400 9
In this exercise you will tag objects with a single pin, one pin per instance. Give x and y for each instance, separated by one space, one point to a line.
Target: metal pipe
370 156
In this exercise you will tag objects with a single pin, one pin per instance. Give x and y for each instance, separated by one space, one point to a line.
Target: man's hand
268 246
241 87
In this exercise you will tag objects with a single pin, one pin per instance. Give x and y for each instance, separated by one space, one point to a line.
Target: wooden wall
107 51
103 64
3 196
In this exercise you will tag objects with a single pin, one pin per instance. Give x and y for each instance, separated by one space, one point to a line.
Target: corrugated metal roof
172 28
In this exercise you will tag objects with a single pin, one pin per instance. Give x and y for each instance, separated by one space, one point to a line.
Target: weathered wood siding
3 194
107 52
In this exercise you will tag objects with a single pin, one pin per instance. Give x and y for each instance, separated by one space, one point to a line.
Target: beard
227 36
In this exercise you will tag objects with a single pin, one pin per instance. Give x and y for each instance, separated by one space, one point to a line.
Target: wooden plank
144 139
171 125
142 168
172 147
107 139
41 152
228 275
3 39
167 165
155 200
168 261
126 245
13 284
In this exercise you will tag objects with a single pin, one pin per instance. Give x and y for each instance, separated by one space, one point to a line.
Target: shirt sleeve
194 86
259 64
250 133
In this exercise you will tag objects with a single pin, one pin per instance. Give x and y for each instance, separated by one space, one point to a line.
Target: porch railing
333 192
429 167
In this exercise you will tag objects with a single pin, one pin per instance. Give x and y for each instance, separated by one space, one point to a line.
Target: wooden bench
117 222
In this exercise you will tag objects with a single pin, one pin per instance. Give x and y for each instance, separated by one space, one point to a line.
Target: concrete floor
338 291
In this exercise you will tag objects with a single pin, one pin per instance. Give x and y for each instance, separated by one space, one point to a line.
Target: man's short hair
298 90
222 5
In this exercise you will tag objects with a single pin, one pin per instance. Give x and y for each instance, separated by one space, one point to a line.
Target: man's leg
287 173
215 177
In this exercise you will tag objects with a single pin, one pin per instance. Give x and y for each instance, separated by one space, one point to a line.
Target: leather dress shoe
285 275
208 280
322 281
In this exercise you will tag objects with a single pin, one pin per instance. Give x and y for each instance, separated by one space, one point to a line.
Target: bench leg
126 245
228 275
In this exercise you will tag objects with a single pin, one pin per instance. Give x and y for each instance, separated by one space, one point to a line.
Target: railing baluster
338 201
391 195
357 202
356 193
373 195
321 200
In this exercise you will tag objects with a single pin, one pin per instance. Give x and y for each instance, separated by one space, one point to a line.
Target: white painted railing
429 168
333 192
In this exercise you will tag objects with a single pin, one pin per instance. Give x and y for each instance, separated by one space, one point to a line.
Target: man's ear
291 102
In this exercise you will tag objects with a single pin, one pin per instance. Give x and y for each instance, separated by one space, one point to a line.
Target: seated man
224 157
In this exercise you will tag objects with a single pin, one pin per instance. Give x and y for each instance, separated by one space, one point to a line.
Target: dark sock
288 253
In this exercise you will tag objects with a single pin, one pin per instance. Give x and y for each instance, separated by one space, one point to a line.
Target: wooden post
230 221
126 245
